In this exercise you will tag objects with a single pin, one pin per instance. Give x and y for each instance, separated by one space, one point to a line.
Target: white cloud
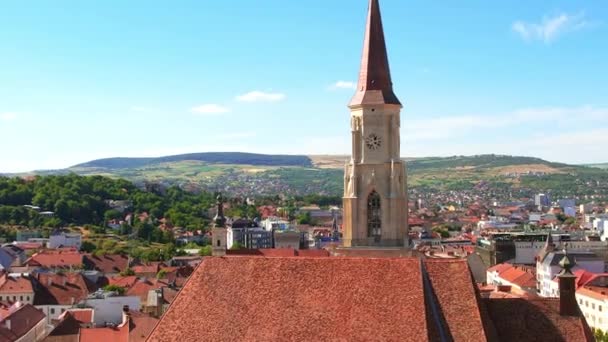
260 96
210 109
8 116
550 27
343 85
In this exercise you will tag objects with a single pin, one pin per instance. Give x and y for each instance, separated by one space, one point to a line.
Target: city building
27 234
548 266
24 323
15 289
64 239
56 293
107 306
375 197
542 200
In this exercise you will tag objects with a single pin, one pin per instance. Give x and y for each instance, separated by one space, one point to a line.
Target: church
370 289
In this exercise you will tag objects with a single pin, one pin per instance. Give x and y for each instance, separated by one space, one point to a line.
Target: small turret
567 287
218 231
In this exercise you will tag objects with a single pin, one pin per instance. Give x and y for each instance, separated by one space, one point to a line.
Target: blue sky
81 80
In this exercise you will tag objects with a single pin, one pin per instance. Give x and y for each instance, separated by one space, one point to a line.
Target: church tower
375 192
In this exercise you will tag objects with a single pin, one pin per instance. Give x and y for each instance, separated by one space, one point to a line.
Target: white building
108 307
65 239
547 266
275 223
526 251
593 302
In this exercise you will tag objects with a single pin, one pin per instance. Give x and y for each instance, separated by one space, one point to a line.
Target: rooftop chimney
7 323
567 288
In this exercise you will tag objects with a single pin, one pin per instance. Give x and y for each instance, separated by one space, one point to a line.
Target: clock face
373 142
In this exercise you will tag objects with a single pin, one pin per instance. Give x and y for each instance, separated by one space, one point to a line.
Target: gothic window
374 222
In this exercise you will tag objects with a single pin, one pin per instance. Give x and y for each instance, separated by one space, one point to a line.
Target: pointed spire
375 86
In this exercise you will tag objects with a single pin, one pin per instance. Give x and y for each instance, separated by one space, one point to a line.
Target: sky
81 80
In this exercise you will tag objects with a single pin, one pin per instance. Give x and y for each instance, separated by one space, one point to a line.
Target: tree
236 246
127 272
161 274
205 251
115 288
88 246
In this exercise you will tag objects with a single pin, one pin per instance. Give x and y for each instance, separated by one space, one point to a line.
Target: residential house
108 306
68 325
593 302
142 290
24 324
65 239
135 327
16 253
57 293
27 234
149 269
16 289
109 264
6 260
51 260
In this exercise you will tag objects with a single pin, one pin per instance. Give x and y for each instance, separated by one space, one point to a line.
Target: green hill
209 157
254 174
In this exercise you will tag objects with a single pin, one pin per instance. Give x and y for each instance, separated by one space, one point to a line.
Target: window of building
374 222
14 298
586 303
62 310
580 301
28 298
21 298
52 311
599 307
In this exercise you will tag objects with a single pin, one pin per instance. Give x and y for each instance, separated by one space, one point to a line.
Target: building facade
375 197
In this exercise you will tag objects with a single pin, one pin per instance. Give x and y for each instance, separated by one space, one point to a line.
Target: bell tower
375 191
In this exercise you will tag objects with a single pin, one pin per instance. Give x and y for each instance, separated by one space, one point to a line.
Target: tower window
218 243
374 222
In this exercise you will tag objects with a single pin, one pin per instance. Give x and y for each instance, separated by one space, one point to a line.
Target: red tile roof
599 293
60 289
143 286
343 298
22 321
280 299
118 334
50 259
147 269
82 315
140 325
519 277
500 268
121 281
110 263
456 295
524 320
10 285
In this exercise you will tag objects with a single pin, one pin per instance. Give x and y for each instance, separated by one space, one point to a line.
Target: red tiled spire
375 85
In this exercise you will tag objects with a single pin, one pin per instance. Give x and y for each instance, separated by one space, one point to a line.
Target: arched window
374 222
